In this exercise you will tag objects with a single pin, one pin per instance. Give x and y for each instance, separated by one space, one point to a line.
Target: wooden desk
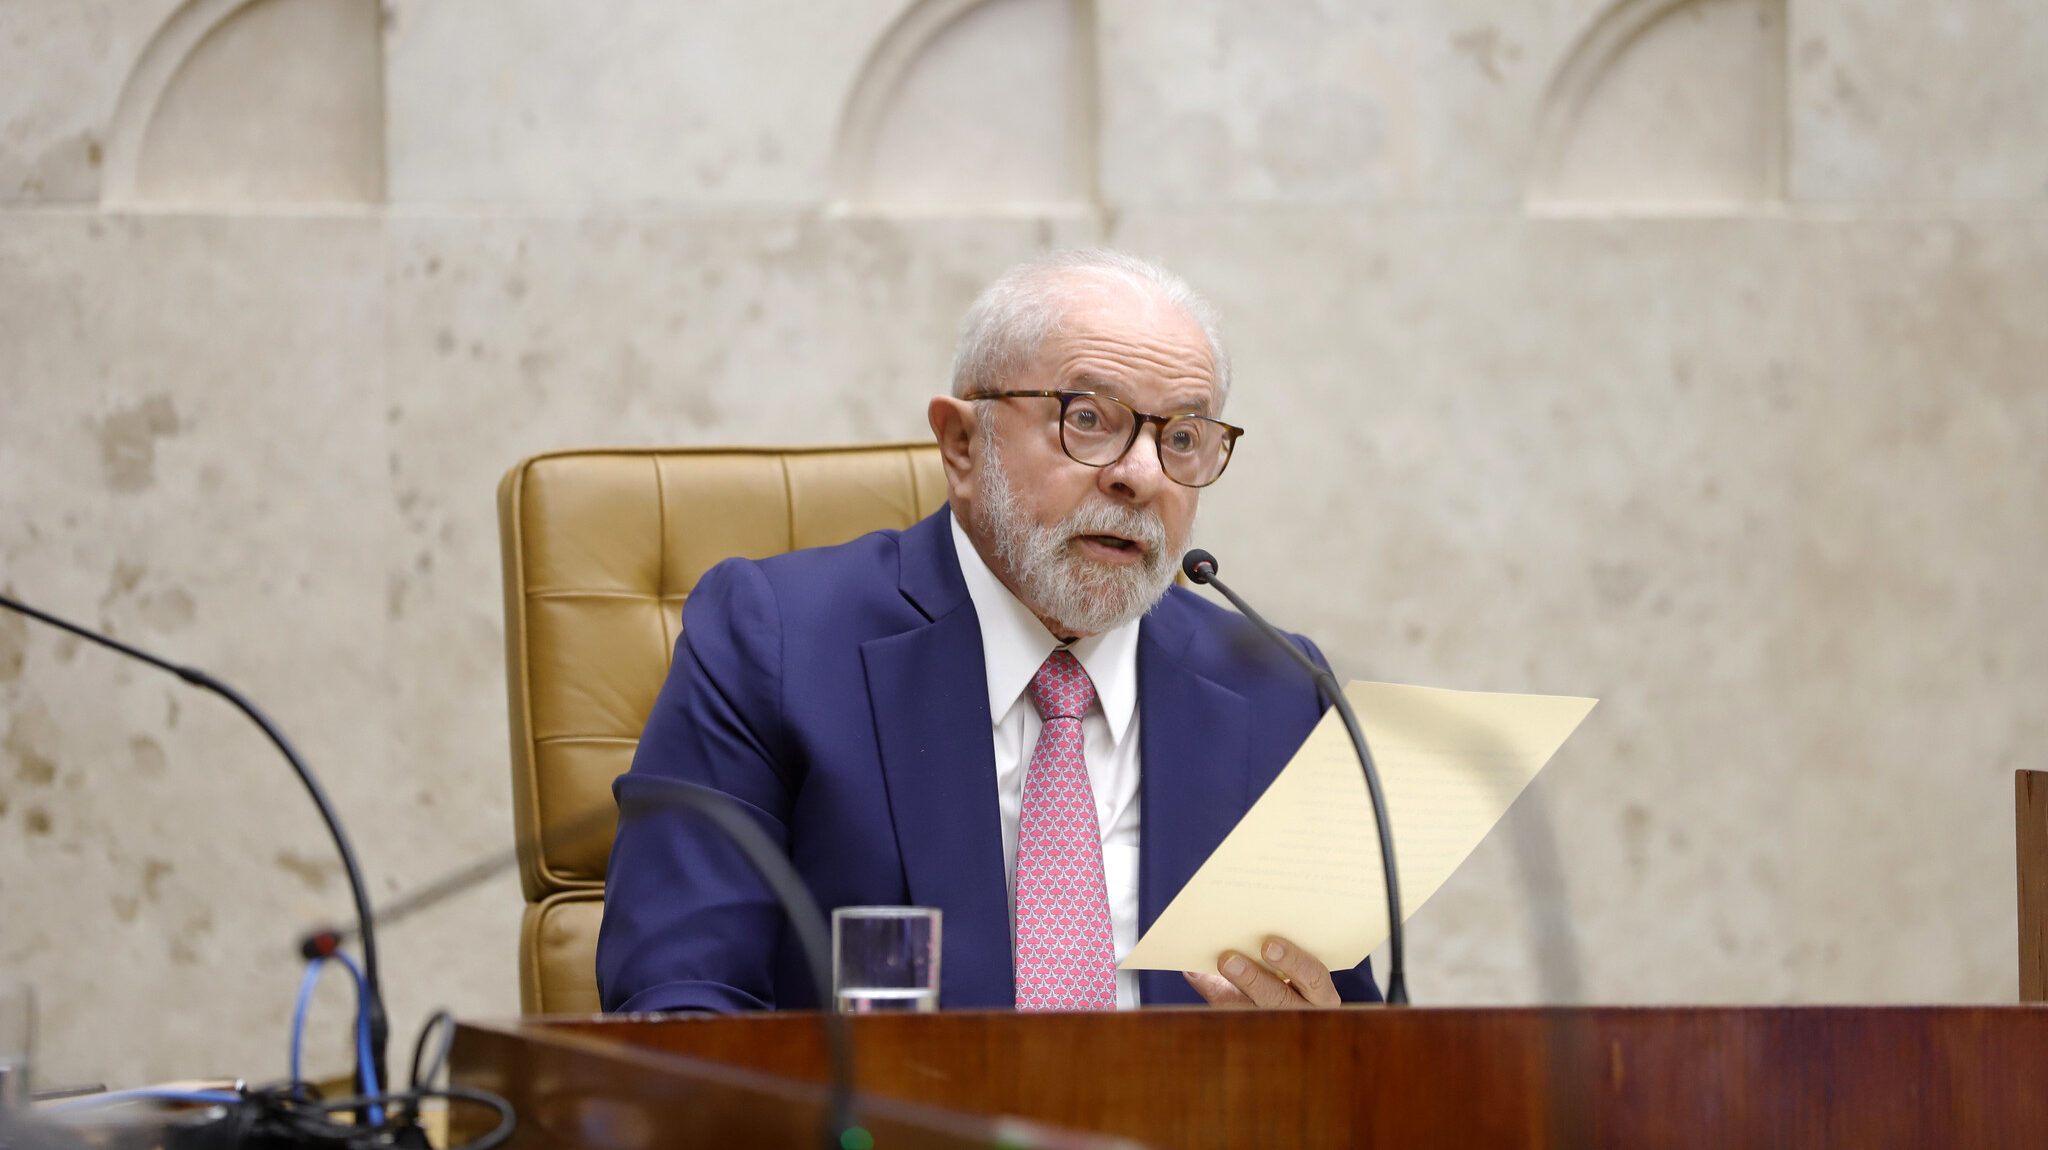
1367 1076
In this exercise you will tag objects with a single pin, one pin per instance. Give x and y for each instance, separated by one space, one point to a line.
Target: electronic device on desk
222 1115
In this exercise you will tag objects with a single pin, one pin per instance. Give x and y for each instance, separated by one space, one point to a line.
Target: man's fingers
1256 982
1310 977
1215 989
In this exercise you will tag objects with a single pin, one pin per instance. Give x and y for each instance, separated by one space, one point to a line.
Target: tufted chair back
601 547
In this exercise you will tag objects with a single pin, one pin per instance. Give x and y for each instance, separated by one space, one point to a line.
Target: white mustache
1141 527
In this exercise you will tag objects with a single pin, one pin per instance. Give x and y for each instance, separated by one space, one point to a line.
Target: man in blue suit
1007 711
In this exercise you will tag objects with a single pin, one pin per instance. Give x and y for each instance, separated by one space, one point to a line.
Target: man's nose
1138 476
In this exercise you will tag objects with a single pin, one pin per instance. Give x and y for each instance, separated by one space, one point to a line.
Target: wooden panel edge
2030 843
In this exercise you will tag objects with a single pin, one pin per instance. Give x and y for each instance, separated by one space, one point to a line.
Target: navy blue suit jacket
839 693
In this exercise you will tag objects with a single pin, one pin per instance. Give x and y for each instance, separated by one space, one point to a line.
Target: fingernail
1235 966
1188 974
1274 951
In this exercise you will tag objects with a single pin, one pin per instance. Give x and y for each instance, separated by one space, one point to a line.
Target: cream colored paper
1304 862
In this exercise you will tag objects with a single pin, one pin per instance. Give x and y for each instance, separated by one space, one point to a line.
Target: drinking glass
885 958
17 1042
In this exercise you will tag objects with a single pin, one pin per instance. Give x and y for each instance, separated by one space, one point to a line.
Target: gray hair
1012 317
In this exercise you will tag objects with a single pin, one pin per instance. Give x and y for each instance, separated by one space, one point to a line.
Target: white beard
1056 581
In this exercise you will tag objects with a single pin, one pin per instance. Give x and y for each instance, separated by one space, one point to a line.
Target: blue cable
198 1097
364 1066
306 986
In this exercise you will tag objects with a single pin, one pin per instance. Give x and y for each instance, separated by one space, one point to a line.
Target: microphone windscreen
1198 565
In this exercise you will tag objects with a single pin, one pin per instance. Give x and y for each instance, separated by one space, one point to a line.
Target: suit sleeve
1355 984
687 924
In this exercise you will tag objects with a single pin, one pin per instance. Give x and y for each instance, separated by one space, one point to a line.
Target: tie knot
1061 689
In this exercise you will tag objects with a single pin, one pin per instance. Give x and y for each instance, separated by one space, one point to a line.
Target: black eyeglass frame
1231 432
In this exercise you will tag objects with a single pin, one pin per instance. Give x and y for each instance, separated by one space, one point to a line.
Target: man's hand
1304 981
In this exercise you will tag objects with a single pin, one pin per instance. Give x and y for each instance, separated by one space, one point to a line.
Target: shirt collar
1015 644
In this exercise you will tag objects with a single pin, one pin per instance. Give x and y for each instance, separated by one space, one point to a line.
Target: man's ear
954 424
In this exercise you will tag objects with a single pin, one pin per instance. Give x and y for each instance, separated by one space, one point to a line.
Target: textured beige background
1687 355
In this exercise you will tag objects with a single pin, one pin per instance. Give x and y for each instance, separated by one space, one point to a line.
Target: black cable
1201 567
282 1115
446 1022
380 1028
496 1136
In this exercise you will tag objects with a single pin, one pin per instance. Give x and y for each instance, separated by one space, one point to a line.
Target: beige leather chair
601 547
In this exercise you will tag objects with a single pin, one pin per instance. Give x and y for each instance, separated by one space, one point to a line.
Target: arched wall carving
872 170
333 136
1704 130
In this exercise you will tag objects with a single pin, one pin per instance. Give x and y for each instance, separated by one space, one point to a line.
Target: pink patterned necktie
1066 959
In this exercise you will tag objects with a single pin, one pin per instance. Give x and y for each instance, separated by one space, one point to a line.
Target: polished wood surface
1562 1077
2030 835
575 1091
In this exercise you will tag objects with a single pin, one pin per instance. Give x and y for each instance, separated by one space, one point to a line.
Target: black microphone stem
798 907
660 794
1397 966
380 1026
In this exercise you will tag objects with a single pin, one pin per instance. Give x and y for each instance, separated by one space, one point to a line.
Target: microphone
380 1027
1200 567
658 795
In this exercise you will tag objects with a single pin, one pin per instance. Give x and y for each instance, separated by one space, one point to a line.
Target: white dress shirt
1014 644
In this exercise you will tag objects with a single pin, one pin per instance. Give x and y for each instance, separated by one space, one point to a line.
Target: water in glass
884 999
885 958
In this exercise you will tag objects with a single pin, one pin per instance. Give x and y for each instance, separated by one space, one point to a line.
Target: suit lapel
928 689
1195 787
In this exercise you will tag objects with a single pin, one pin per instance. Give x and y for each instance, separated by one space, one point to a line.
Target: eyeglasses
1096 430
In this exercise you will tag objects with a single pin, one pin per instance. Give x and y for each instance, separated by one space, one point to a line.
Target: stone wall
1686 353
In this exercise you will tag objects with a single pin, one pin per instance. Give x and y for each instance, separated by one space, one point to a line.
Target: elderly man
1001 710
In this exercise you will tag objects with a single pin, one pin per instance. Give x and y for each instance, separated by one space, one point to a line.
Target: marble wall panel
315 135
1902 102
1667 106
1306 101
184 462
1917 563
65 61
554 101
992 107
